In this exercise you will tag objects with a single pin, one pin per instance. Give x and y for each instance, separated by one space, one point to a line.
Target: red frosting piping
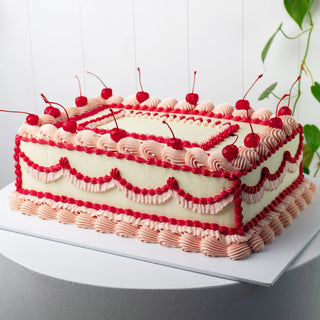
172 183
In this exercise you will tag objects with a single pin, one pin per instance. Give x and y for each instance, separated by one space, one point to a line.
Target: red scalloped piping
118 155
266 175
172 183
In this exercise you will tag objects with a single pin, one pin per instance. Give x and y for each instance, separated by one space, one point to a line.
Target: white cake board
260 268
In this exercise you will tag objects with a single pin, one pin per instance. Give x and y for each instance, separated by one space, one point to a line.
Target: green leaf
297 10
266 92
268 44
312 136
307 156
306 170
315 89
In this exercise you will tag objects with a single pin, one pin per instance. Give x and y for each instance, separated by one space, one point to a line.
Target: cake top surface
196 136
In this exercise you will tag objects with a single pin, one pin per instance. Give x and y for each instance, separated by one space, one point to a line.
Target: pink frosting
47 131
278 134
129 145
242 113
66 216
217 162
173 156
285 218
46 118
151 102
72 111
28 208
196 158
47 212
28 131
168 239
84 220
184 105
290 121
14 201
224 109
206 106
114 100
267 234
87 138
167 103
276 226
151 149
256 243
104 225
106 143
130 101
268 140
261 114
212 247
261 149
64 136
125 229
189 243
250 154
241 162
238 251
146 234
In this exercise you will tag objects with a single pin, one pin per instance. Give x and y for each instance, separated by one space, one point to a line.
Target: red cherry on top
276 122
52 111
284 111
244 104
80 101
231 151
192 97
251 140
117 134
106 93
69 126
141 96
173 142
31 119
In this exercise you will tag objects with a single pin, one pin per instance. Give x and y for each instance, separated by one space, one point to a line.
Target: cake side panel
124 184
276 175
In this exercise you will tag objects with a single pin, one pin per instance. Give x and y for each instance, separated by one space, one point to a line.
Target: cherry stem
140 78
234 134
170 129
284 96
97 78
291 89
114 118
260 75
249 118
194 80
56 103
11 111
79 85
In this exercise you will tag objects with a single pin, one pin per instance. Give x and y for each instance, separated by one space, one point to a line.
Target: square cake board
262 268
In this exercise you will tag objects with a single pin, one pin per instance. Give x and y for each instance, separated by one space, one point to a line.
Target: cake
124 172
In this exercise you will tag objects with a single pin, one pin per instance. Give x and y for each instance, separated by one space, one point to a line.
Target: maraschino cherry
68 125
276 122
31 119
251 140
174 142
117 134
231 151
192 97
106 93
285 110
141 95
52 111
80 101
244 104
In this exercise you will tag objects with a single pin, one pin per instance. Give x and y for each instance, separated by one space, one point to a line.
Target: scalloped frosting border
188 238
202 205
